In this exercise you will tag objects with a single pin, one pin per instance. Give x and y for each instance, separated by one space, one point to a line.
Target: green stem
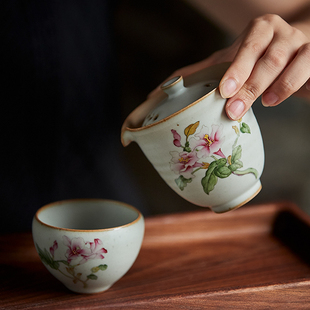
66 274
236 141
196 170
249 170
73 277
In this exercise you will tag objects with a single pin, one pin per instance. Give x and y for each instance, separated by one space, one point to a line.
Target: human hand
270 58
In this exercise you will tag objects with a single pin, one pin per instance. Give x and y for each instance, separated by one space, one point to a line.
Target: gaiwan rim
53 204
173 114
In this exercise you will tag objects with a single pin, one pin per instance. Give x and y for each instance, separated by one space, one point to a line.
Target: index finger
251 49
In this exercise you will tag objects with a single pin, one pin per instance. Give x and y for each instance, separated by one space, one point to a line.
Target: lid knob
174 86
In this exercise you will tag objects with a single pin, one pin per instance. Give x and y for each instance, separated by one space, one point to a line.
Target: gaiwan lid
178 98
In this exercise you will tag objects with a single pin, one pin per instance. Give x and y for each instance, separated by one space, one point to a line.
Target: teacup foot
88 291
239 201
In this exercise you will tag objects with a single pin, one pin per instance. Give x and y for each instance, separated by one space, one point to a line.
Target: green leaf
182 182
64 262
55 265
222 172
47 258
100 267
187 148
41 253
211 168
221 162
209 181
103 267
237 165
92 276
216 169
236 154
244 128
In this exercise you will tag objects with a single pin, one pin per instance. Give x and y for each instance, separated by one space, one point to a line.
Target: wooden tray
256 257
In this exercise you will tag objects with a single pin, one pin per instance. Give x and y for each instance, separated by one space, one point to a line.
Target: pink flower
54 248
176 137
220 153
208 144
96 251
184 163
76 249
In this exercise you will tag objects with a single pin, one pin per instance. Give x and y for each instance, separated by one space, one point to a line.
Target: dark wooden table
256 257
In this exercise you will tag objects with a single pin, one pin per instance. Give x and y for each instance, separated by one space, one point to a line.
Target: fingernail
235 109
228 88
269 99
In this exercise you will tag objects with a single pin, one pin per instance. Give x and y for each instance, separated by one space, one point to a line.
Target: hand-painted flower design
78 250
176 138
219 153
208 143
54 248
184 163
96 250
204 145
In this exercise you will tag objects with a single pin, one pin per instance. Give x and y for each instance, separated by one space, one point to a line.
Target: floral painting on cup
202 150
78 253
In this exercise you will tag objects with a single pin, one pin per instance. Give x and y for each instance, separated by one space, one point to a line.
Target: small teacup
88 244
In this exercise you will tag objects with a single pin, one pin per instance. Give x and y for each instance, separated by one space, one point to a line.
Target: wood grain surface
256 257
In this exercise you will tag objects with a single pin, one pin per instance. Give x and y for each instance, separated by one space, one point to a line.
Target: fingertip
228 88
270 99
235 109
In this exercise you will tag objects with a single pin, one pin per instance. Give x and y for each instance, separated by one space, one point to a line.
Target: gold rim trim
175 80
61 202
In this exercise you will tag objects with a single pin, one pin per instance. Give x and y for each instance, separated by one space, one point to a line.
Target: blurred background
73 71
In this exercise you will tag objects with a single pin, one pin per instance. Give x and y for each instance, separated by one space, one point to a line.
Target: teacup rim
49 205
